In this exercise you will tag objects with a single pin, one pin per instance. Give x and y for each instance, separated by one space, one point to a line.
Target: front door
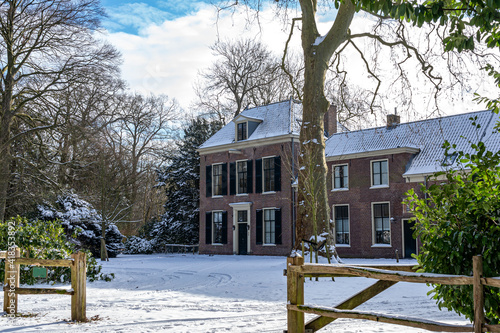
242 238
410 243
242 231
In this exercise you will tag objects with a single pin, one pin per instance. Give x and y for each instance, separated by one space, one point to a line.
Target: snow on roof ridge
412 122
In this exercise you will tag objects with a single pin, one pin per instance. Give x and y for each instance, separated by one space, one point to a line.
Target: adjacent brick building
247 201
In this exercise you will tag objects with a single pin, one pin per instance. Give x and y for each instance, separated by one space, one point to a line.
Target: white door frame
239 206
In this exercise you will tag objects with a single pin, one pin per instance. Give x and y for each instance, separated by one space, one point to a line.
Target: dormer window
242 132
449 159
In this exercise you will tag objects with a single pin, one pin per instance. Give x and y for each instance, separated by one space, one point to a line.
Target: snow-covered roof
275 119
425 138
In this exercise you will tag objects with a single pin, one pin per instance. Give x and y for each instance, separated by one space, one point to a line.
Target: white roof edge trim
247 143
238 117
372 153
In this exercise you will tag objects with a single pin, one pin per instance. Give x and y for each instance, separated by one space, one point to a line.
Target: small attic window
449 159
241 133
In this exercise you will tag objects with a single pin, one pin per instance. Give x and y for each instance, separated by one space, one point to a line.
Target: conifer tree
181 179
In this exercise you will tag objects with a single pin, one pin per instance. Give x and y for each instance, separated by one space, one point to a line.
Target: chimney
330 120
393 120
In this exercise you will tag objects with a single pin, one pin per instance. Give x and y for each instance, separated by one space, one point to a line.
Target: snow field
197 293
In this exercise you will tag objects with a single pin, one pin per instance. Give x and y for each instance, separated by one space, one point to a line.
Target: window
217 179
381 223
269 226
380 174
242 177
268 174
340 177
449 159
217 227
342 224
241 132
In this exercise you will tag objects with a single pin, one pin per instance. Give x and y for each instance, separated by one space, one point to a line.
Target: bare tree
246 74
43 46
388 30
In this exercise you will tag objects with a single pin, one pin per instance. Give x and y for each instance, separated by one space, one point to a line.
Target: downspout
293 196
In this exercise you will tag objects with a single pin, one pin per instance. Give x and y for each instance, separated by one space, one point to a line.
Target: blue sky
130 16
165 44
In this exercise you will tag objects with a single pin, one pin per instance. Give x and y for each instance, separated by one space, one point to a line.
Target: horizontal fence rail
388 275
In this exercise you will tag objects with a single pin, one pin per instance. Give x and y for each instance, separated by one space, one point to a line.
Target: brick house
246 196
247 199
372 169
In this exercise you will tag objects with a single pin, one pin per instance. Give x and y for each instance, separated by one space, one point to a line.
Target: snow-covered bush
79 217
138 245
45 240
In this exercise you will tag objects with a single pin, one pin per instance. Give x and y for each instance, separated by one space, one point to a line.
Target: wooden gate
78 290
388 275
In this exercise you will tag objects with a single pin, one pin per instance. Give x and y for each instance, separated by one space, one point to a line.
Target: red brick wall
281 199
360 198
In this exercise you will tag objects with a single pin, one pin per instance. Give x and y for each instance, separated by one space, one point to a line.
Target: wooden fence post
79 286
477 266
295 295
12 278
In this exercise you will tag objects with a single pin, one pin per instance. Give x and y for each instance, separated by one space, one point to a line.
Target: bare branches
291 78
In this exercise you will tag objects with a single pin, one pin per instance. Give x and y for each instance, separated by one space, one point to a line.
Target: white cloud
166 58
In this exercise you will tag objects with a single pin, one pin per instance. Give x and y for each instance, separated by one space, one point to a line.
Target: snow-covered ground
197 293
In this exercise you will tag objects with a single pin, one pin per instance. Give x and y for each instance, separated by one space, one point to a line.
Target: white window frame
213 180
348 222
264 226
264 175
236 130
213 225
372 186
238 179
374 237
346 188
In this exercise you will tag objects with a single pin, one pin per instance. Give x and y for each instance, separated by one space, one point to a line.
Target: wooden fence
388 275
78 290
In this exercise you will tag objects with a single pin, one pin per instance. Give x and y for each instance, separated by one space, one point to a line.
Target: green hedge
44 240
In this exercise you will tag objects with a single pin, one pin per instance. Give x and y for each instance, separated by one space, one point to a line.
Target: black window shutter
277 173
224 227
258 176
224 179
232 178
208 228
249 176
258 228
277 225
208 175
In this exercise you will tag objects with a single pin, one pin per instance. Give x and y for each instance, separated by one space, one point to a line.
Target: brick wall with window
259 175
368 212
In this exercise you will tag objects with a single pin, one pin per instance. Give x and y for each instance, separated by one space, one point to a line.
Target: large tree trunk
4 169
314 212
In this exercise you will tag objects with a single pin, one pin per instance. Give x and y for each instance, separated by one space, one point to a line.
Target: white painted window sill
242 194
270 192
378 186
381 245
217 196
342 245
268 244
217 244
340 189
